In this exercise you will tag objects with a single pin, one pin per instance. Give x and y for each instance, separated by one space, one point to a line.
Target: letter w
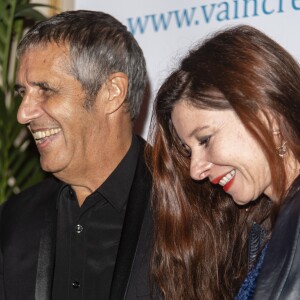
161 21
139 25
185 18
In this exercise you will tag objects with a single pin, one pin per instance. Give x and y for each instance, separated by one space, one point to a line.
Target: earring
281 150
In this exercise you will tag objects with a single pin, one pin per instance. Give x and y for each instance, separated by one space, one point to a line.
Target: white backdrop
166 29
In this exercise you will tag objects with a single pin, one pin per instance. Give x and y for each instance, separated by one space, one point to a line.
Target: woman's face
223 150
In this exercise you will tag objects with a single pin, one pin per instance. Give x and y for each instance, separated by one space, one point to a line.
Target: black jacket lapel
136 206
45 264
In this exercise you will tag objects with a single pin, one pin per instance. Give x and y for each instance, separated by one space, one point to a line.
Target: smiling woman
226 131
223 151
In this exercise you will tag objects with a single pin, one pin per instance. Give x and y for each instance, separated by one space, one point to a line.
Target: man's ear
117 86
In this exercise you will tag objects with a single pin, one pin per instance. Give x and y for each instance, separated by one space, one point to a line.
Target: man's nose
30 109
199 168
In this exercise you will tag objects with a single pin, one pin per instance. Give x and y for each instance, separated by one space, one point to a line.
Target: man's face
66 133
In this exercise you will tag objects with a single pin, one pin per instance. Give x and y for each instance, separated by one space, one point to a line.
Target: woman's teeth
227 178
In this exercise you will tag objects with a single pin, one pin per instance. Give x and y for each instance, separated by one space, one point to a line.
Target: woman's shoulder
279 277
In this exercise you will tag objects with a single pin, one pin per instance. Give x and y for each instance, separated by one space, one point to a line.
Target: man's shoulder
37 194
43 187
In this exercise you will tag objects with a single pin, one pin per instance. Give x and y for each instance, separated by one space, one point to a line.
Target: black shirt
88 236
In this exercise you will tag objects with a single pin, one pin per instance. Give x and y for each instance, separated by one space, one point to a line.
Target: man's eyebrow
17 87
42 85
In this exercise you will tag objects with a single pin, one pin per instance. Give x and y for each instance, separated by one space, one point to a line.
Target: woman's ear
117 87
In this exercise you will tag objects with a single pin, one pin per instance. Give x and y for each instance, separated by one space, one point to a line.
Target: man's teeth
227 178
45 133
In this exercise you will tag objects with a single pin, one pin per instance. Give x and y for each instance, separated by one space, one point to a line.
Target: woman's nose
199 168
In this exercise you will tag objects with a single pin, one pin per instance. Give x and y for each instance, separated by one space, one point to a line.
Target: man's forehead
52 48
44 64
49 55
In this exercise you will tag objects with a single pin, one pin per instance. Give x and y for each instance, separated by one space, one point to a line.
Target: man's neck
94 172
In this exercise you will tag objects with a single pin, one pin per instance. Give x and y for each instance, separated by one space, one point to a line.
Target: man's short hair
99 45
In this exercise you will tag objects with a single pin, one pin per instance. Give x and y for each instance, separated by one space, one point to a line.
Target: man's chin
49 167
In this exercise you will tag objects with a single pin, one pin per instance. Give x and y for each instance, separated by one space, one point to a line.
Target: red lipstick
217 180
227 186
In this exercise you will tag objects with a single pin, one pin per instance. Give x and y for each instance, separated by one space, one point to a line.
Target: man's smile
40 135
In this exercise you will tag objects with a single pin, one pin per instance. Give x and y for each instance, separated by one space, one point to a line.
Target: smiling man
83 233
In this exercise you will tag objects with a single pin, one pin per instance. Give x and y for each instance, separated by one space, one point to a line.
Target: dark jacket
280 274
27 237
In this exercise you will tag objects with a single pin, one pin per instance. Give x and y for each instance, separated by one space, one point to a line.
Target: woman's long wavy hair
200 243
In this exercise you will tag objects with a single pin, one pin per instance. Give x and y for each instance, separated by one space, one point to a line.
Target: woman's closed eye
186 150
205 141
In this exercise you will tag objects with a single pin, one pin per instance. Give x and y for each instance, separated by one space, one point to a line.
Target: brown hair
200 249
